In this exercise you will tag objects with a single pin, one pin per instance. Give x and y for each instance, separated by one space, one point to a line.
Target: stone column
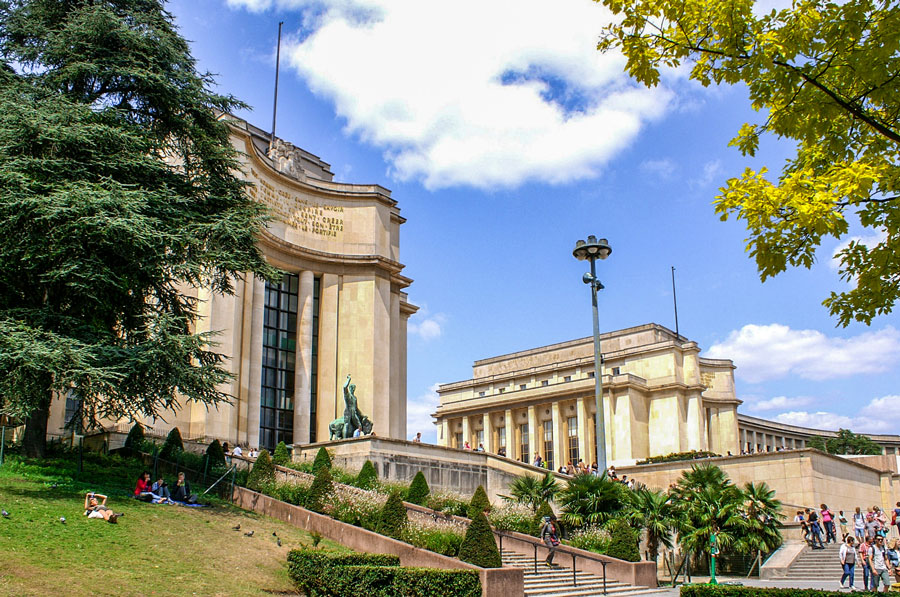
467 434
488 433
303 356
559 436
444 435
583 433
330 402
533 434
256 341
510 431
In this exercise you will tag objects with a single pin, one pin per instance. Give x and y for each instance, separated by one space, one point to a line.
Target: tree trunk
34 442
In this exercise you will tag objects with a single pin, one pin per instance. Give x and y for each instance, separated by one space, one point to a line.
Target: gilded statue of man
352 418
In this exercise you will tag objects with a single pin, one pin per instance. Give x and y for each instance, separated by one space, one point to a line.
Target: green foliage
392 518
652 511
215 455
824 74
544 510
846 442
418 490
533 491
97 101
263 472
478 546
444 540
135 438
172 446
367 476
759 525
623 541
375 575
282 455
479 503
323 460
322 487
678 456
590 499
703 590
591 538
514 517
447 503
292 493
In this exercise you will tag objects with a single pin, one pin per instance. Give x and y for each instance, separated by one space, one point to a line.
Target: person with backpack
828 521
848 562
815 530
550 537
880 565
859 525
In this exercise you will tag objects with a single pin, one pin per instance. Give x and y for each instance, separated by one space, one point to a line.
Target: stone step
586 591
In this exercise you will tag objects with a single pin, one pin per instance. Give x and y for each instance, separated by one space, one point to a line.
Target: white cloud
418 415
777 403
426 326
764 352
472 93
663 168
875 417
711 170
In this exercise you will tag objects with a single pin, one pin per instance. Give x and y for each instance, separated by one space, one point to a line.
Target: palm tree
760 519
707 502
533 491
652 511
590 499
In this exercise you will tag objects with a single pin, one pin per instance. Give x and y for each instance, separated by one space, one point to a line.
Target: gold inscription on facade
302 213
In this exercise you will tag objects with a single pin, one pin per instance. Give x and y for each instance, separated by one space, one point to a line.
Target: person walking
859 525
828 521
880 565
842 520
815 530
848 562
863 552
550 537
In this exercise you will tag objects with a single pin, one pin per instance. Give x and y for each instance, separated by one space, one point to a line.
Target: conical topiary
322 459
478 546
262 473
282 455
215 455
367 476
479 503
418 490
392 518
322 486
172 446
135 439
623 541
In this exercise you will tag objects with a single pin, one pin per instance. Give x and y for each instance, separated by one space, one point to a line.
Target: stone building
659 396
340 309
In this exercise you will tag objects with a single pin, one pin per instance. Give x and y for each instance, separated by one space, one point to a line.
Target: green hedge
741 591
677 456
374 575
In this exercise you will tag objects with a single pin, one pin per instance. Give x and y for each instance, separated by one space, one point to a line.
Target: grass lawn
153 550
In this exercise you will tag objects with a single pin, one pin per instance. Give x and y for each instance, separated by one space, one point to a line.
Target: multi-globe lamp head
592 249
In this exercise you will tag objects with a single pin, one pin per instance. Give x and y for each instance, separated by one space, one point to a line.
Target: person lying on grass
93 508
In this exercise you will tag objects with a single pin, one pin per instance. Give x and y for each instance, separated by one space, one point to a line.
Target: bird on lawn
278 541
4 513
274 534
62 519
248 534
236 528
54 486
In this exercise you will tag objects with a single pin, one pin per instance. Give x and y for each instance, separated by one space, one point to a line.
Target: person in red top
142 489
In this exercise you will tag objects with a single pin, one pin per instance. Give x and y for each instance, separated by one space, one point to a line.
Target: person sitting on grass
143 491
161 488
94 508
183 491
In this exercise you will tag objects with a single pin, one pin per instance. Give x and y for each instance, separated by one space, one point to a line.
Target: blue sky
506 137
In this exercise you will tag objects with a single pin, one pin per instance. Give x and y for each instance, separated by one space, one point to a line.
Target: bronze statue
352 420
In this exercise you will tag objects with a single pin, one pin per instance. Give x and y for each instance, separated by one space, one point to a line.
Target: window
522 386
314 364
615 371
545 383
501 390
501 431
567 378
573 439
524 448
73 412
591 374
479 438
548 444
480 394
276 411
459 441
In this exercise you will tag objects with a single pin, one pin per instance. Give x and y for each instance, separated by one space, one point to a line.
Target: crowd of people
864 541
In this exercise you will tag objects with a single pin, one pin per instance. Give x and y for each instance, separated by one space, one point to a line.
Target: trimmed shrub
367 476
678 456
322 487
323 459
392 518
281 456
442 539
418 490
263 472
698 590
375 575
479 503
173 445
215 455
292 493
478 546
623 541
447 503
514 517
135 439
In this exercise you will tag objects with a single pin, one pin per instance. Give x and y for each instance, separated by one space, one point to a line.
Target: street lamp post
592 250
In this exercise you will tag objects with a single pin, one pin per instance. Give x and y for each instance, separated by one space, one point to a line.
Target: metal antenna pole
275 100
675 302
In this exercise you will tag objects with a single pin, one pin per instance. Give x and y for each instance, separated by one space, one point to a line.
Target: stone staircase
558 582
818 564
